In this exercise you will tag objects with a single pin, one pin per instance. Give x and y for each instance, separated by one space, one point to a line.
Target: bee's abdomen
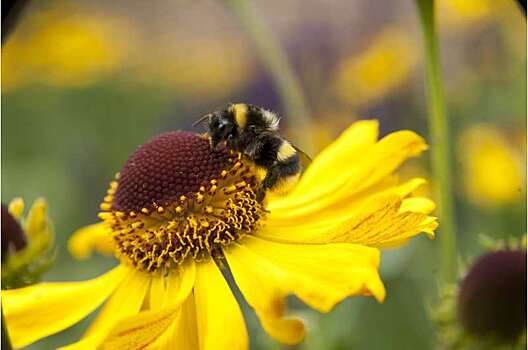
279 154
289 158
290 166
286 151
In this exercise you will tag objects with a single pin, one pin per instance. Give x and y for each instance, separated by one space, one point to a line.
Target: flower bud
13 237
26 243
492 298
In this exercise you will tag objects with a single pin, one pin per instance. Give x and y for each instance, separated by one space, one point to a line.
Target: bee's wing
303 157
202 119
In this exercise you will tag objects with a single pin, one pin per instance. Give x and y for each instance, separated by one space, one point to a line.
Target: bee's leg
272 177
261 193
218 256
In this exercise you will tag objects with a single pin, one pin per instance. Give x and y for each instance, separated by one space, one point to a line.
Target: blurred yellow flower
493 171
179 212
469 11
60 48
198 67
382 67
26 243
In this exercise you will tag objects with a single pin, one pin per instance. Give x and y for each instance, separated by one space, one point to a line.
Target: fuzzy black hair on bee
253 131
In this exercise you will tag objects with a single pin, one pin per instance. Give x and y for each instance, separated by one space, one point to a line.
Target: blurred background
85 82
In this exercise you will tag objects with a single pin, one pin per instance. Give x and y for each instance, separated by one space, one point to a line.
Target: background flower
366 77
492 166
27 242
485 309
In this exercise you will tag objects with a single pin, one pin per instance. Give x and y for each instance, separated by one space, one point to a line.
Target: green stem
276 62
440 141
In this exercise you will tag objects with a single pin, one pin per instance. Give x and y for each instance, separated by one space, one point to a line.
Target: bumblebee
253 131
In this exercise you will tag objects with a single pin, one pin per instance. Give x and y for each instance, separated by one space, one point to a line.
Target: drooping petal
382 219
180 289
349 207
89 238
172 289
141 330
320 275
183 333
345 208
263 294
418 205
349 176
383 224
40 310
379 223
219 319
157 293
124 302
151 328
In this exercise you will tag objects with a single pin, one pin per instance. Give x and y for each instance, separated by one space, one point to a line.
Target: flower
492 167
380 69
492 298
26 243
178 206
462 13
487 308
196 67
59 47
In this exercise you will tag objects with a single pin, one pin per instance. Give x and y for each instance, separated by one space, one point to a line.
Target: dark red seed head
166 167
492 299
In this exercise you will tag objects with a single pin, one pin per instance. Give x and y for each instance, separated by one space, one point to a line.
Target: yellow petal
220 322
349 178
16 208
183 333
157 293
380 223
344 208
360 218
261 291
418 205
320 275
350 144
141 330
124 302
180 289
383 225
174 288
37 219
93 237
40 310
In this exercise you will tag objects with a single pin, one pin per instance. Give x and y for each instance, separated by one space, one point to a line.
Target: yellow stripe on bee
286 150
240 110
286 184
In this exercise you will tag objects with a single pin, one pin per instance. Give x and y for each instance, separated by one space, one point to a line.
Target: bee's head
222 127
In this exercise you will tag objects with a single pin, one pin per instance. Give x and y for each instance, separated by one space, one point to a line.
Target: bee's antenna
201 119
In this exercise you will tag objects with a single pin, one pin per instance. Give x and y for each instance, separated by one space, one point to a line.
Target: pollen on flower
177 198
